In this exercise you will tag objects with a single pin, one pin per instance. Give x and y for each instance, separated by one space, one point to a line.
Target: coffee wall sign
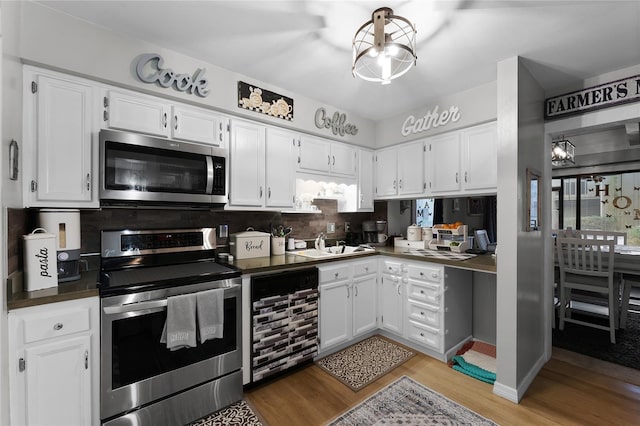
150 69
430 120
263 101
337 123
602 96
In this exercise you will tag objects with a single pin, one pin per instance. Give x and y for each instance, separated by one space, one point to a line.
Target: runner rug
408 403
362 363
238 414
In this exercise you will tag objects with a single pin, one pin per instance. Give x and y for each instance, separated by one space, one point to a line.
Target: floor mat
238 414
362 363
408 403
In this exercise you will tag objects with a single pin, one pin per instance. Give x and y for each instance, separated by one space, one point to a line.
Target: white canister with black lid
40 262
414 233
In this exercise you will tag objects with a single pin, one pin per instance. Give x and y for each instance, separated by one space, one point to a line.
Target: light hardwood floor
570 390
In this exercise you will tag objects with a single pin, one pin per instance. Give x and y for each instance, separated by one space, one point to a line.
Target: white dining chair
587 265
620 238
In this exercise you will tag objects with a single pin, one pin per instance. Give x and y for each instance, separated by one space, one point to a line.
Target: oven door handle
135 306
157 304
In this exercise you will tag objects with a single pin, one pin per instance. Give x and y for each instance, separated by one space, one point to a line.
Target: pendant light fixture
562 152
384 48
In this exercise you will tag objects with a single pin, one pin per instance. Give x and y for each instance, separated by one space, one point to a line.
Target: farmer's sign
602 96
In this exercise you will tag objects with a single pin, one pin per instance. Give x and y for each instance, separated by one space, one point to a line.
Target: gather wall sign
430 120
150 69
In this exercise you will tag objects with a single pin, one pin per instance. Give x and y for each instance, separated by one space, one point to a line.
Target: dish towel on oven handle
210 314
180 327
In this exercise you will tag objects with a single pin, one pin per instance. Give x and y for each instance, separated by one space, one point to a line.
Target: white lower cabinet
348 294
427 304
391 296
54 363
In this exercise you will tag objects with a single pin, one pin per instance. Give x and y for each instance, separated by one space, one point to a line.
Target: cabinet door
343 159
198 125
314 154
63 144
247 164
365 297
444 164
411 169
480 157
335 313
279 168
59 382
131 111
391 306
386 183
365 180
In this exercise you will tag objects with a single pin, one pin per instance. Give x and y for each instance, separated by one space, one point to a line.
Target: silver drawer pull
58 326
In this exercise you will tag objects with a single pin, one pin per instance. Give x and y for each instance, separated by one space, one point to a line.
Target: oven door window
137 353
139 168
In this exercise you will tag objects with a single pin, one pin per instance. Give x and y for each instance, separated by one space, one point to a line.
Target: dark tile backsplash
305 226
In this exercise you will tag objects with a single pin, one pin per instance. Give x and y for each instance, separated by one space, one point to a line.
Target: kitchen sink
334 251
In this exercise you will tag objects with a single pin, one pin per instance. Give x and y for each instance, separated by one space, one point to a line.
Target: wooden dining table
626 261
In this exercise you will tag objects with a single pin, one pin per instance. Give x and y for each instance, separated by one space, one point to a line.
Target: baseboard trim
515 395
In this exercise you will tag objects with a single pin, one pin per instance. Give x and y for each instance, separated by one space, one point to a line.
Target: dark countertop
481 263
86 286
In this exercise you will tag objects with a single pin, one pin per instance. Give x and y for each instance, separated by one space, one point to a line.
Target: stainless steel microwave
139 170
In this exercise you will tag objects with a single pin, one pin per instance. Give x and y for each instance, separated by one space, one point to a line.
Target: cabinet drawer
364 268
425 273
424 292
425 335
392 267
333 274
425 314
54 324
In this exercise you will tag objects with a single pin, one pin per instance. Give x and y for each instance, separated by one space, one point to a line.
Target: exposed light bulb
386 69
391 50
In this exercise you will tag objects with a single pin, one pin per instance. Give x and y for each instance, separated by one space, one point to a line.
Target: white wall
520 263
61 42
4 366
476 106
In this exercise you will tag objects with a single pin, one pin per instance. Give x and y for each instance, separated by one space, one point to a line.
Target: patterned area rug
238 414
362 363
408 403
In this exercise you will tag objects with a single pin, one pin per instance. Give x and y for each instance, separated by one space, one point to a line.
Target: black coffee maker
369 232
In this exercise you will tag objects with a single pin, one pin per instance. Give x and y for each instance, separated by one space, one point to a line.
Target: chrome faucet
320 241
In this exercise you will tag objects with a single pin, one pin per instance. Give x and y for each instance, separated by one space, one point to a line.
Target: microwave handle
210 174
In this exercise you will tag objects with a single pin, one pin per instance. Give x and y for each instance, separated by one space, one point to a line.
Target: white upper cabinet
246 154
137 112
321 155
400 171
443 156
463 162
262 171
480 157
279 167
125 110
365 180
58 147
199 125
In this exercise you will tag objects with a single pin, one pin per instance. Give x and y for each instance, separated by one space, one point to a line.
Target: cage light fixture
562 152
384 48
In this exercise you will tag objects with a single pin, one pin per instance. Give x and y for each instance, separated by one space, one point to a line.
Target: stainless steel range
143 382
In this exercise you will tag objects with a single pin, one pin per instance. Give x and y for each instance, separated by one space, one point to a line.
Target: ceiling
304 46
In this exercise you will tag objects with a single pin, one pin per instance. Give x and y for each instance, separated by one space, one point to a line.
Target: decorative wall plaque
602 96
431 120
264 101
